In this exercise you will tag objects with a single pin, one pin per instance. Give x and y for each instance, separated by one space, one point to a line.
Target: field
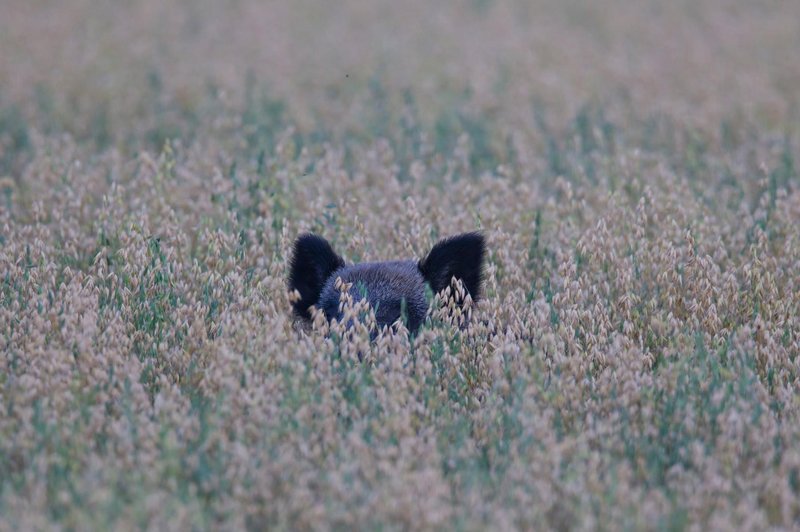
634 166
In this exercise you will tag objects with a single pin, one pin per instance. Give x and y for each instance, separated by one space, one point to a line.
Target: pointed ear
459 256
313 262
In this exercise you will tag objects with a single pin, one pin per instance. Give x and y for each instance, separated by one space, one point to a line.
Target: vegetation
634 363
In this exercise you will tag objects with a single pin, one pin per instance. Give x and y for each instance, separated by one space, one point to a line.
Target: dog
394 289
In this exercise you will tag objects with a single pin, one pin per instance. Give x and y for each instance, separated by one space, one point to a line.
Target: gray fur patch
385 285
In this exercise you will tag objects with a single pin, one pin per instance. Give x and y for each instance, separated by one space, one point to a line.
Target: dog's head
394 289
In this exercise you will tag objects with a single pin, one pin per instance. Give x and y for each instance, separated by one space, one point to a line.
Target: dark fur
315 267
458 256
313 262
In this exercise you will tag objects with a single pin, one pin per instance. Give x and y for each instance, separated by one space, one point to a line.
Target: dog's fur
390 287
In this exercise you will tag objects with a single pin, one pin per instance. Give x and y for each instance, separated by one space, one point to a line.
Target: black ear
459 256
312 263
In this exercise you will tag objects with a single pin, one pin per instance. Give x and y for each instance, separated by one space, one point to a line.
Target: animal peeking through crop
394 289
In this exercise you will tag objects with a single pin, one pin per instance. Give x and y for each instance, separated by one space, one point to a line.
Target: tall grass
633 364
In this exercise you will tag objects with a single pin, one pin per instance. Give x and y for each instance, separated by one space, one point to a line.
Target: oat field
634 363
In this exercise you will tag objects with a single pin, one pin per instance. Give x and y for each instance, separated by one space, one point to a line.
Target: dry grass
636 359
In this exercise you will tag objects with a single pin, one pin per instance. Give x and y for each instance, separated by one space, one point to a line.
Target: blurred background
118 71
